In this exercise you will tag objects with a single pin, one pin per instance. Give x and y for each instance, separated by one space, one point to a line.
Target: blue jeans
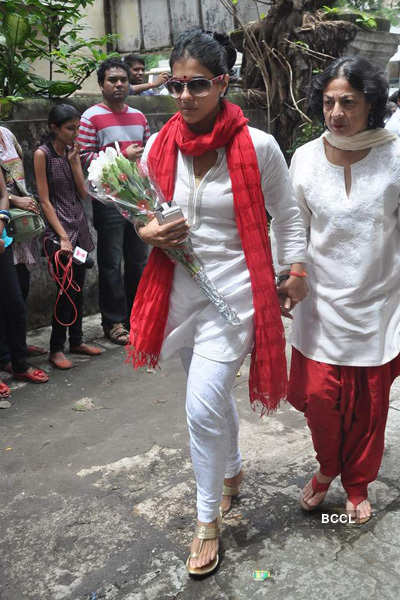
117 242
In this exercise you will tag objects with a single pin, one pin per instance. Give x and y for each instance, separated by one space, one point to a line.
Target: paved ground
98 503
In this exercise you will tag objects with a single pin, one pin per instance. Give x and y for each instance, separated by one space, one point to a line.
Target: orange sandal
86 349
60 361
32 375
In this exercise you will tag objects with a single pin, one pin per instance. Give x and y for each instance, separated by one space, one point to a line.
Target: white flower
96 167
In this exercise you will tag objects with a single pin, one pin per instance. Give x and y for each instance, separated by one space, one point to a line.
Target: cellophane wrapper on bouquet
113 179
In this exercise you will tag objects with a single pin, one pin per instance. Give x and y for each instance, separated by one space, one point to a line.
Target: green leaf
39 82
13 99
62 88
16 29
329 10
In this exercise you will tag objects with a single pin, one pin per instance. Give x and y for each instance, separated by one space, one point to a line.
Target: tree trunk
294 42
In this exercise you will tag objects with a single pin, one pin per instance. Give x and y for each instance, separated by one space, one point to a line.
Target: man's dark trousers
117 242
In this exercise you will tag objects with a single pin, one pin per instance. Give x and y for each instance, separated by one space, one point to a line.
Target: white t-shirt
351 315
192 321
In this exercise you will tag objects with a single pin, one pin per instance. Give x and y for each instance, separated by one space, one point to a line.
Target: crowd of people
335 224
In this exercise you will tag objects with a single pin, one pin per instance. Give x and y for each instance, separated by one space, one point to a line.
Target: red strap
61 273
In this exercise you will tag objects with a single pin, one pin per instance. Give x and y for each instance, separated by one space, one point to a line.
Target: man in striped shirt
102 125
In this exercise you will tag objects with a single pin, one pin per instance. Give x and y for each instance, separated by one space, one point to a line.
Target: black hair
61 113
362 76
110 63
131 59
58 115
214 51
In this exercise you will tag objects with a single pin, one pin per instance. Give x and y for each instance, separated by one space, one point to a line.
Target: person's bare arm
161 79
77 172
39 161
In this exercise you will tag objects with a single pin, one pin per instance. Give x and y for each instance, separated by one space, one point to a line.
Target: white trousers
213 424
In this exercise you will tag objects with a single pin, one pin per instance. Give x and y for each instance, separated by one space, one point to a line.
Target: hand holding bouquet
113 179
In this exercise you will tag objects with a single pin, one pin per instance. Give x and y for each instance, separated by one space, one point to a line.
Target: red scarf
268 378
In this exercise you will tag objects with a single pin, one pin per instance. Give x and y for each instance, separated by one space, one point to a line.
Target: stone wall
28 123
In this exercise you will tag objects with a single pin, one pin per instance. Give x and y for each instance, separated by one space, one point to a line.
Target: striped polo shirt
101 127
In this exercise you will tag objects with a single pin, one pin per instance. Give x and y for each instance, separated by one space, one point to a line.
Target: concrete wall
28 123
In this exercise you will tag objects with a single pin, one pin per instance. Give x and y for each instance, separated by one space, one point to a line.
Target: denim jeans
117 243
12 312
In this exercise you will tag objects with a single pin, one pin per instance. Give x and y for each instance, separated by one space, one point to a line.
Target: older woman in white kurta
346 333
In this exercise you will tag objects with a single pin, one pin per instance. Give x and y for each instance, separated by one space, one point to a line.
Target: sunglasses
197 86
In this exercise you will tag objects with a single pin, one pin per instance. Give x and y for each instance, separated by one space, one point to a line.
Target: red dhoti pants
346 410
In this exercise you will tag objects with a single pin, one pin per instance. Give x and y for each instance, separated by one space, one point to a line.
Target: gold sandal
232 491
203 532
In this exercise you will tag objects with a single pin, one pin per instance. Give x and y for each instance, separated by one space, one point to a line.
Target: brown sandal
118 334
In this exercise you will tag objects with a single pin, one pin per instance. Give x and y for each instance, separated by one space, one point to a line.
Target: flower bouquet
113 179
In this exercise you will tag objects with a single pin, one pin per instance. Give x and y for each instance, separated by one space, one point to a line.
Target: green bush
46 30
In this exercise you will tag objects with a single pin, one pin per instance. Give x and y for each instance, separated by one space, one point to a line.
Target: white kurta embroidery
352 313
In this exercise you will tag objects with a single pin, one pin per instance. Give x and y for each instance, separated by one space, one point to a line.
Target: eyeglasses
197 86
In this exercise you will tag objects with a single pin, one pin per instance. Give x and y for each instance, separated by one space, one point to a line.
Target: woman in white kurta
192 319
346 332
204 186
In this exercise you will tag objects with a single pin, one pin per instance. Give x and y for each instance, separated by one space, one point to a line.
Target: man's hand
25 203
161 79
134 152
169 235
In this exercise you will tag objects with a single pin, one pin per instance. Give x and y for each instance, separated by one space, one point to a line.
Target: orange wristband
296 274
